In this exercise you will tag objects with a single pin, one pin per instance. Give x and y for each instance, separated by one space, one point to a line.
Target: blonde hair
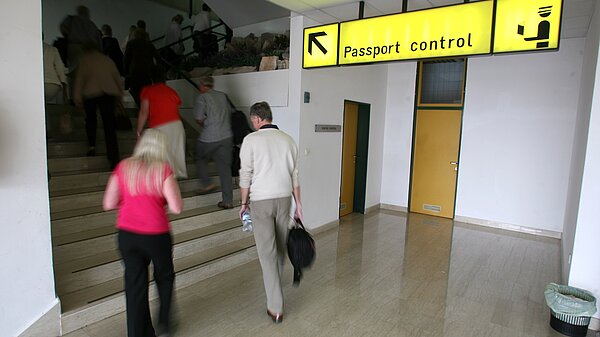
144 171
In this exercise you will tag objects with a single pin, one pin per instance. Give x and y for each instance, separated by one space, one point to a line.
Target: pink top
143 213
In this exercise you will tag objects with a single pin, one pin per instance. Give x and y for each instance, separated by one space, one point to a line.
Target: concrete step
81 183
80 298
189 272
60 149
81 165
76 202
80 228
55 110
63 166
62 182
95 251
88 271
97 271
78 130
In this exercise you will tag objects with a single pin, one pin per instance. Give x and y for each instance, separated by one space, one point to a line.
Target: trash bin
570 309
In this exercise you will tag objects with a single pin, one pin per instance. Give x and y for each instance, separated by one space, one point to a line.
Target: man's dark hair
158 74
207 81
262 110
141 24
83 11
178 18
106 30
89 46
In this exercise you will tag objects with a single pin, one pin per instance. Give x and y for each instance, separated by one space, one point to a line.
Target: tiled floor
384 274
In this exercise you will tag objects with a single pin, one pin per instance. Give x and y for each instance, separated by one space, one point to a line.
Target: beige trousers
270 219
176 147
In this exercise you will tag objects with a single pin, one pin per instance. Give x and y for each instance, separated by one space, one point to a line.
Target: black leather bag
122 121
301 249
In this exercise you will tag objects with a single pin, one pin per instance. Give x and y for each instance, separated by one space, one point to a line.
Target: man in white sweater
269 178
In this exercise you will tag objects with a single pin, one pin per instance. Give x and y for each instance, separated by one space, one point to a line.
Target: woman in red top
159 105
140 187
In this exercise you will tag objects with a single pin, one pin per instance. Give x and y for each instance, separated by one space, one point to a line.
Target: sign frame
560 20
492 18
337 58
489 53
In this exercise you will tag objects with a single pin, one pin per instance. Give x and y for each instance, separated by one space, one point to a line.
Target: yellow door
435 162
348 158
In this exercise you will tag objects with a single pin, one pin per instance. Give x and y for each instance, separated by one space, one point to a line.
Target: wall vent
432 208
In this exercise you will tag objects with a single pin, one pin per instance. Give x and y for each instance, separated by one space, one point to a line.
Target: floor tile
384 274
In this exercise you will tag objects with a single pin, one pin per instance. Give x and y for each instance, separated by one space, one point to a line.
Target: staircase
87 268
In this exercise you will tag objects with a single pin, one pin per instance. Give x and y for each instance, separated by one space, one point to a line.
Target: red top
164 104
143 213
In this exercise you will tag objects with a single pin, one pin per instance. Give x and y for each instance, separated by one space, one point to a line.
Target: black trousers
137 251
106 104
136 83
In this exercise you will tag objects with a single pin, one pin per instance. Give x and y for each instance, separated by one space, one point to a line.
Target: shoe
91 152
162 332
277 318
207 189
224 205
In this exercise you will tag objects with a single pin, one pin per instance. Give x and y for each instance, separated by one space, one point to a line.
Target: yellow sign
320 46
457 30
527 25
450 31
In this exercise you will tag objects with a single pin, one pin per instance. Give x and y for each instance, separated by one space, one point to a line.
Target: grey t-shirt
215 111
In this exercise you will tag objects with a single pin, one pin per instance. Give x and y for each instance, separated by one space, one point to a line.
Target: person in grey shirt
212 111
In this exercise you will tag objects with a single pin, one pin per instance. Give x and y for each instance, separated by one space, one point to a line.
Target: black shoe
224 205
276 318
91 152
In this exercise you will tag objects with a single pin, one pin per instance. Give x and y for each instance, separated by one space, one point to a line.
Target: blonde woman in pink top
139 188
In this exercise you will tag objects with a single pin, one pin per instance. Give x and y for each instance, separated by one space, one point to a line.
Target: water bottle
247 221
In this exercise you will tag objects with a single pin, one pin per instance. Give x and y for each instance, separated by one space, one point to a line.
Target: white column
27 282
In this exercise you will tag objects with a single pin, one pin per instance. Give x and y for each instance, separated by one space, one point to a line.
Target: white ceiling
576 13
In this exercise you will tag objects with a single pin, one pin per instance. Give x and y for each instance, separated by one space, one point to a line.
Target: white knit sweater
269 164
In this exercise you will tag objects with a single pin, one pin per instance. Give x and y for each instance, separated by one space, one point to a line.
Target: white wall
118 14
585 269
516 148
517 137
321 152
586 93
398 133
27 280
279 26
244 90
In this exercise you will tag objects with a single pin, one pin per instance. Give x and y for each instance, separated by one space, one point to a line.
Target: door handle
455 165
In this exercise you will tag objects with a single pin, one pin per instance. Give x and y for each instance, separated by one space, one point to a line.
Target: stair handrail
190 27
209 29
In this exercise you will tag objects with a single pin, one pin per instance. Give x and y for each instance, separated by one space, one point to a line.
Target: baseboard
47 325
390 207
509 227
331 225
594 324
487 223
372 208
